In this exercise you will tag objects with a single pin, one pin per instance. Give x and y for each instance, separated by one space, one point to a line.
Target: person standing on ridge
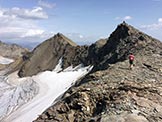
131 60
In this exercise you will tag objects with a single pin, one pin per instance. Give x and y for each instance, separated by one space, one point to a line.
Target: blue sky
83 21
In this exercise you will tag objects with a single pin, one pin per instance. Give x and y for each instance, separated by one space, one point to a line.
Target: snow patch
58 66
4 60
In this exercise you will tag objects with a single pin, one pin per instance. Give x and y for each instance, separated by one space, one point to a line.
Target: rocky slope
11 50
112 92
46 55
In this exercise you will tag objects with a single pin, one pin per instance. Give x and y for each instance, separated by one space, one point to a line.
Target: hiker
131 59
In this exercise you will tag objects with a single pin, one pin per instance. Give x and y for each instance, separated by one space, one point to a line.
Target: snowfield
24 99
4 60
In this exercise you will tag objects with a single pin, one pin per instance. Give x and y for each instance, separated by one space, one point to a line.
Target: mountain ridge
112 92
122 41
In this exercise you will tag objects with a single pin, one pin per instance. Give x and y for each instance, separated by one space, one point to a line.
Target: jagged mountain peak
57 39
60 36
47 54
130 36
125 40
125 31
126 26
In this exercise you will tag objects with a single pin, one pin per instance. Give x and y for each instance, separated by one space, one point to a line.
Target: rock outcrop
112 92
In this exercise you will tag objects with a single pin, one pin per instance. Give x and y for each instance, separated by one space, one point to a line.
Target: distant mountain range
24 44
11 50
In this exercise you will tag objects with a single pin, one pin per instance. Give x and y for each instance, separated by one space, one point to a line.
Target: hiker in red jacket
131 59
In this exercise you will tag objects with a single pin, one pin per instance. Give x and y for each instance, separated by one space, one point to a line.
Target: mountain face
46 55
123 41
112 92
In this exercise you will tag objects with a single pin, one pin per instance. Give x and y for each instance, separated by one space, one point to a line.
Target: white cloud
160 20
154 29
20 33
123 18
32 32
46 4
18 24
77 36
82 39
35 13
81 36
154 26
127 18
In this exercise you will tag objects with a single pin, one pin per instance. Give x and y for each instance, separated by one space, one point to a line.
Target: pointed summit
123 30
129 34
126 39
60 36
46 55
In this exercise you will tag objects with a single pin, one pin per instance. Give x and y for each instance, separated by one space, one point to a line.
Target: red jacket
131 57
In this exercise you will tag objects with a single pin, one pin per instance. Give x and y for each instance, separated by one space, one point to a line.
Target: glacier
24 99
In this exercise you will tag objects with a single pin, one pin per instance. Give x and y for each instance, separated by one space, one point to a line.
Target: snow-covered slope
16 103
4 60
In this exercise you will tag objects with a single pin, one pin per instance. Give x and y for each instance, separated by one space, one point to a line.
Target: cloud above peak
127 18
123 18
46 4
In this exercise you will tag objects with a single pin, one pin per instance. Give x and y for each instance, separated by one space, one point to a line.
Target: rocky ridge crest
112 92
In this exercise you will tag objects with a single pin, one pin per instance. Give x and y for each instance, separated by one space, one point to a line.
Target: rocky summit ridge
122 41
112 92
